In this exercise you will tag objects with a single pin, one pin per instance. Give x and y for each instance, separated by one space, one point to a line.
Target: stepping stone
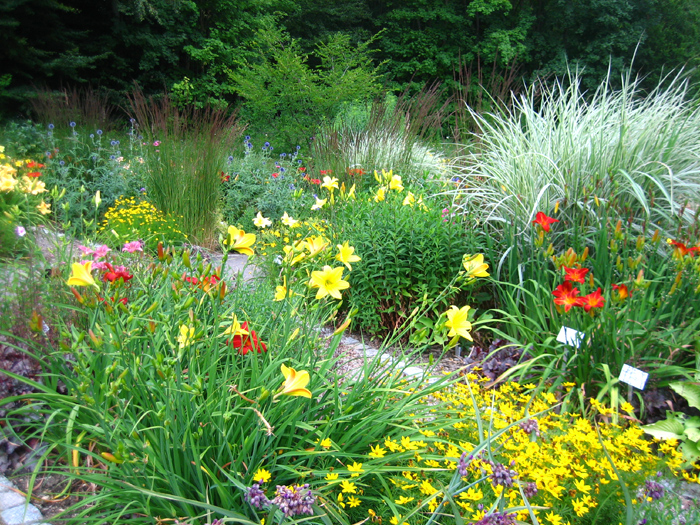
412 371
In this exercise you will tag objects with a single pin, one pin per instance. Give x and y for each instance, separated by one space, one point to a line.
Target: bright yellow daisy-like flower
262 476
240 241
81 276
294 383
356 469
329 281
458 323
348 487
346 255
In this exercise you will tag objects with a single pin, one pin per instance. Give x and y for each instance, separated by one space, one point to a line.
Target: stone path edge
14 509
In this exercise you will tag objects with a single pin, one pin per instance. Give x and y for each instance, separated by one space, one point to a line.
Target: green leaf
690 391
670 428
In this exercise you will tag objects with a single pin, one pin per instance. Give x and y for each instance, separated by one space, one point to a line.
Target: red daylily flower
356 171
622 291
575 275
326 172
32 164
34 174
275 175
224 177
120 273
680 250
544 221
301 169
123 300
246 343
592 300
567 296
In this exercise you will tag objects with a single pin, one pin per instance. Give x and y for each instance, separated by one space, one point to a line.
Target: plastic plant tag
633 376
571 337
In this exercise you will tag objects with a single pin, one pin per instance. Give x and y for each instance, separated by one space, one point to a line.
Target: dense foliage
208 52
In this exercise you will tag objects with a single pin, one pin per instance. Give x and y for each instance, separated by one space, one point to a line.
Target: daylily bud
584 255
618 229
640 243
618 264
111 458
656 237
186 258
161 253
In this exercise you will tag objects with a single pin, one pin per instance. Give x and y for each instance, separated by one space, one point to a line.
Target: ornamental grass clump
184 158
560 144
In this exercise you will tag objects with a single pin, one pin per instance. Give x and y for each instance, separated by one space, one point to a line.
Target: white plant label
633 376
571 337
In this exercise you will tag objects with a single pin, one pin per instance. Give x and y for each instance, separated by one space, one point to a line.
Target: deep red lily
244 343
567 296
575 275
120 273
544 221
592 300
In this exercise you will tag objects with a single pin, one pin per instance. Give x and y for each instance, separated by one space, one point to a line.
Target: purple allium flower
256 497
501 475
132 120
20 231
462 465
299 162
266 145
653 490
530 490
294 500
496 519
298 148
531 427
92 135
113 143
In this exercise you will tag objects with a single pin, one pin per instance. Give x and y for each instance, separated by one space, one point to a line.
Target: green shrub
409 254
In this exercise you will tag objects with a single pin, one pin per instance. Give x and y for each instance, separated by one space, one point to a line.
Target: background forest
321 53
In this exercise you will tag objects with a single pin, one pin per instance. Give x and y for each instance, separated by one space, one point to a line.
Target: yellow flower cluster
140 219
563 455
12 180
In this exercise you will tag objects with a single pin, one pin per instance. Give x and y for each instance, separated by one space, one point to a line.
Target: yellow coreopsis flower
262 476
44 208
356 469
261 222
81 276
294 382
330 183
458 323
240 241
331 476
348 487
329 281
288 221
396 184
346 254
475 265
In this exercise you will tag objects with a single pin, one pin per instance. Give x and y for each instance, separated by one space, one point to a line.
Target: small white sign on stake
633 376
571 337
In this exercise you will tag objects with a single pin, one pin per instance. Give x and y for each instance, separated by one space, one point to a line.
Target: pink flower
99 265
85 250
156 143
133 246
101 252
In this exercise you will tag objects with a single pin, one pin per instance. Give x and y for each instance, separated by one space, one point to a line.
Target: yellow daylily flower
457 322
240 241
294 382
330 183
329 281
475 265
319 204
346 255
315 245
261 222
186 336
44 208
380 195
81 276
235 328
288 221
281 291
396 184
409 200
